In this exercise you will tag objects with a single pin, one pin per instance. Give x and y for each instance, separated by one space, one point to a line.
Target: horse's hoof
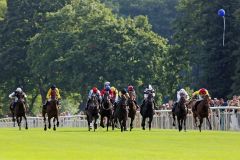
54 128
143 128
45 129
26 127
57 124
102 125
173 124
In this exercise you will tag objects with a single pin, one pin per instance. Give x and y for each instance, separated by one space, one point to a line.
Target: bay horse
181 112
106 110
201 110
147 111
92 112
52 111
132 109
20 111
121 113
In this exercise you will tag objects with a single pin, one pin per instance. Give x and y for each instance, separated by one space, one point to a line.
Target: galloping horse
92 112
19 112
147 110
52 112
106 110
201 110
132 110
181 112
121 113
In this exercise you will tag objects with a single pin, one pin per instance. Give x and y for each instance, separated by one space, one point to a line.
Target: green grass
72 143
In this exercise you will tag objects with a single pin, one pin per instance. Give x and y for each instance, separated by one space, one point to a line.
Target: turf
76 144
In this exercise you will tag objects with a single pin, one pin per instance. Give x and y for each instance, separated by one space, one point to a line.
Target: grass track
76 144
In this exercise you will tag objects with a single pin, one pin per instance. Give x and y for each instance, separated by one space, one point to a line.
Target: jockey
106 89
123 93
16 95
146 92
114 98
93 91
132 93
180 93
200 95
53 93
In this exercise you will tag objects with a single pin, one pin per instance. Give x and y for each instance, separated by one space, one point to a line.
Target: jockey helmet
107 84
124 91
108 88
202 91
95 89
150 87
53 86
19 90
130 88
113 89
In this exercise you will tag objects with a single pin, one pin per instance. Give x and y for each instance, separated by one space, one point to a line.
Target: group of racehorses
119 112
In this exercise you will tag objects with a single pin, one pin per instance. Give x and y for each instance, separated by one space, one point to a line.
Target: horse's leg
94 123
210 126
200 125
44 121
13 118
150 122
143 123
88 120
54 125
57 121
101 121
131 123
195 119
174 119
26 124
20 121
49 122
108 121
179 123
184 123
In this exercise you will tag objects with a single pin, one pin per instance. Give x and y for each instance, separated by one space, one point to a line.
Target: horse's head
124 101
106 101
150 97
206 99
94 104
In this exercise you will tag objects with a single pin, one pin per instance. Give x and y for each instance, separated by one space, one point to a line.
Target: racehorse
19 112
132 110
106 110
92 112
52 112
147 110
181 112
201 110
121 113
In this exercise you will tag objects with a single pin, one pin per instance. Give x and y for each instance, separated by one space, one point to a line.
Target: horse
132 110
106 110
19 112
92 112
201 110
181 112
52 112
147 110
121 113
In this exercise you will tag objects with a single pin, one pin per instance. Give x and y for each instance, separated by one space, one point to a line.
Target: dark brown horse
181 112
121 113
92 112
19 112
52 112
201 110
132 109
106 110
147 111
